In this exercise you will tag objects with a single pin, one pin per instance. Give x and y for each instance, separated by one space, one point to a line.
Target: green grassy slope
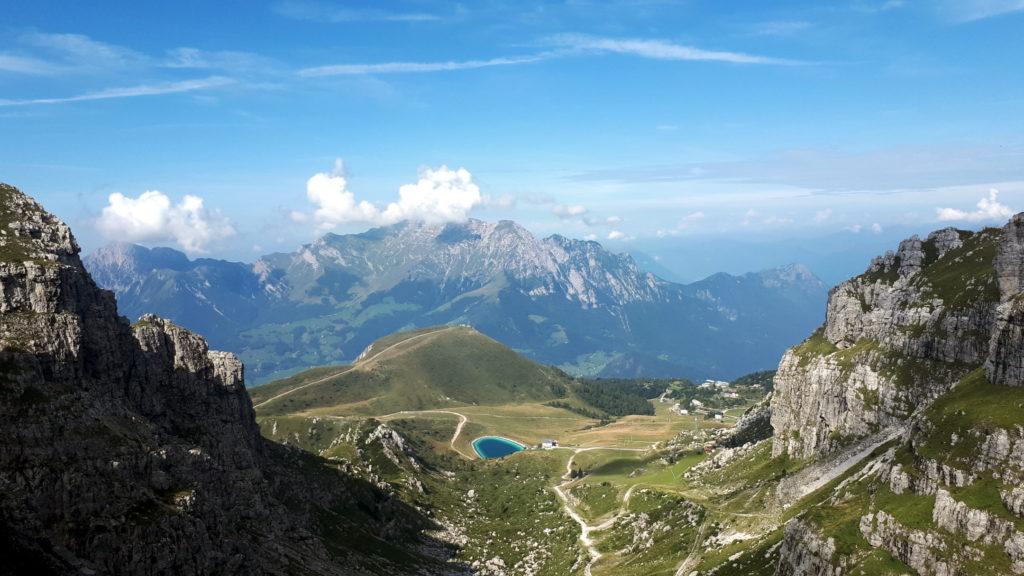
434 368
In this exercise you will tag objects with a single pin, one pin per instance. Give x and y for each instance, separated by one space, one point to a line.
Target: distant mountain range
559 301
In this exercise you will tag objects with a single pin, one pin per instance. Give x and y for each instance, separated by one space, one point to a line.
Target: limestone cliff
928 341
133 449
895 338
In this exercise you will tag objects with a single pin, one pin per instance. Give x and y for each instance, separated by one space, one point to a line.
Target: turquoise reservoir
495 446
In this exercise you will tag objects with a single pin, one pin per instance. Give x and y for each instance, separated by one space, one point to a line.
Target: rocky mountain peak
794 276
29 232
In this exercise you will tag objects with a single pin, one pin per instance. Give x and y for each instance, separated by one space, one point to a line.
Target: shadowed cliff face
134 449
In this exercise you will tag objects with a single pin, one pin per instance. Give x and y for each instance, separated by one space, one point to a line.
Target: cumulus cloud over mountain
152 217
439 195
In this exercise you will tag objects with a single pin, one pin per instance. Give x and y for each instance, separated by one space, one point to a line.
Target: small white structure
696 403
549 444
731 395
718 415
679 409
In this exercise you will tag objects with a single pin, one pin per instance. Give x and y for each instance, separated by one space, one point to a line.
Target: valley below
609 495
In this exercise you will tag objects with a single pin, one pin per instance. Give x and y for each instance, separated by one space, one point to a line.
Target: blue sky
644 124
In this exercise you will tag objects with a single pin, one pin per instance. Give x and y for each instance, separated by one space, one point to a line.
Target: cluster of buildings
696 407
708 384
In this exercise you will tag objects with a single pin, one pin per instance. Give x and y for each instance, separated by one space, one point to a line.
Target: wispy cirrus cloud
80 54
27 65
878 7
130 91
224 60
321 12
779 27
657 50
836 171
44 54
963 11
563 46
417 67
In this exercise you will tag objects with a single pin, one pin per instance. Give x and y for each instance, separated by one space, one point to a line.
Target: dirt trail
458 429
359 363
585 527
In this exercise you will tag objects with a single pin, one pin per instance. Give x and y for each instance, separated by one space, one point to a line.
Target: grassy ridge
422 370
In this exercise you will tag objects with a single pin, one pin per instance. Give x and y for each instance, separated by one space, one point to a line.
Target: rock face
897 337
560 301
134 449
804 552
755 425
1005 364
928 341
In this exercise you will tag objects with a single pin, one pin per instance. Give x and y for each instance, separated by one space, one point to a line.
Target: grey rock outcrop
134 449
755 425
1010 258
919 322
922 551
1005 363
894 339
805 553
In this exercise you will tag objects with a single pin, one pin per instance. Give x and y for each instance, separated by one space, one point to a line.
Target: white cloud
569 210
607 221
440 195
989 208
691 217
153 218
336 203
618 235
855 228
130 91
753 217
822 215
876 228
684 223
657 50
590 237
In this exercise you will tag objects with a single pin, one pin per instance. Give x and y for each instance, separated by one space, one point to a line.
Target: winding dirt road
585 527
